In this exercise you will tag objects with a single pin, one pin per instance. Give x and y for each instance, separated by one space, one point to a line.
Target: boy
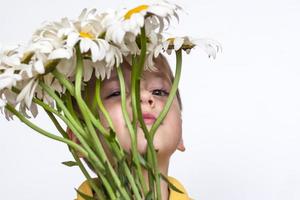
154 91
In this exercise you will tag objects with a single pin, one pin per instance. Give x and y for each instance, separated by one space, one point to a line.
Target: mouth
149 118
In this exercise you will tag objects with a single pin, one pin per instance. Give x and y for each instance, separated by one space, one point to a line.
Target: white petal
85 45
8 115
82 14
3 103
72 39
103 47
61 53
157 50
166 44
22 110
25 91
9 79
94 51
108 72
42 46
211 47
57 86
28 98
48 79
87 70
67 67
178 43
39 66
11 60
34 110
99 70
159 10
26 71
10 96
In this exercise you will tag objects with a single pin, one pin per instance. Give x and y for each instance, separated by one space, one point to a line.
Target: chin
141 142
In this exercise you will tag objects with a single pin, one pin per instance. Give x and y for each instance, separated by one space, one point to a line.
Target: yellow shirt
86 189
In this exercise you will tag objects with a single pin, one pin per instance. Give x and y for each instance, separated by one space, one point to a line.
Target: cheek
174 122
169 134
115 112
173 118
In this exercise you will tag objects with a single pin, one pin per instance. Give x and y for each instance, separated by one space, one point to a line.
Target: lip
149 118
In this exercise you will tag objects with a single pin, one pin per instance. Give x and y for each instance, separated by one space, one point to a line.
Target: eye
160 92
113 94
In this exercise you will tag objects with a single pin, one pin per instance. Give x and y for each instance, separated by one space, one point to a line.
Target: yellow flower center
86 35
171 40
135 10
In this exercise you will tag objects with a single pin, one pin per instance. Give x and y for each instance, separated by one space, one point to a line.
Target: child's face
155 87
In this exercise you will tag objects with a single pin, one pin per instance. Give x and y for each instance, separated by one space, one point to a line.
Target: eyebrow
158 75
112 78
161 75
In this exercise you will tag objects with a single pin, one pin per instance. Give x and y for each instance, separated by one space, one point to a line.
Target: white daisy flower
211 47
154 47
67 66
28 92
9 79
8 96
87 30
51 39
10 57
176 43
162 10
113 57
34 66
101 70
152 16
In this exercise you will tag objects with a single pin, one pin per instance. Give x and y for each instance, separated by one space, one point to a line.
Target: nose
146 98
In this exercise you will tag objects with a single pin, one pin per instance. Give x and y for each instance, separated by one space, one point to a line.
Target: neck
163 166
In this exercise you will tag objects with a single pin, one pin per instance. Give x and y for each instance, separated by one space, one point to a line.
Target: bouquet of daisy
54 71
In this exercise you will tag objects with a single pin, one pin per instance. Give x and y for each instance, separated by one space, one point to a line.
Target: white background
241 111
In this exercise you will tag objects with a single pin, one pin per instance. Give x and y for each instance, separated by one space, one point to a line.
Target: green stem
91 181
101 106
84 110
137 69
45 133
164 112
129 126
56 124
92 156
78 161
61 78
116 150
172 94
61 105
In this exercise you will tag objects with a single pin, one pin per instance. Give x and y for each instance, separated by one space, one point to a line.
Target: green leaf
149 195
86 197
146 165
112 135
173 187
70 163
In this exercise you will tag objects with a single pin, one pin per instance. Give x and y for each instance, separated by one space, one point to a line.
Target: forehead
161 71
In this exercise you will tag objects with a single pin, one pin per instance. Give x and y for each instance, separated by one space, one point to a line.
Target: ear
72 137
180 145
